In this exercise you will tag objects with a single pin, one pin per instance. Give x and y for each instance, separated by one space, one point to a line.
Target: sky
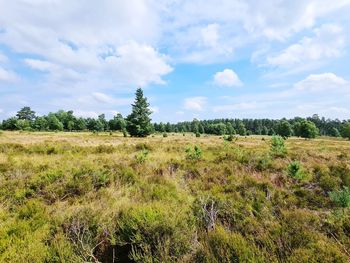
193 59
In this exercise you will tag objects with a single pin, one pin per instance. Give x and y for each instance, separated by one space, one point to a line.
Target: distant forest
26 119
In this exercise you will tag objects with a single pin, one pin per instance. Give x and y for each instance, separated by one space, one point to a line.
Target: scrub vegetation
103 197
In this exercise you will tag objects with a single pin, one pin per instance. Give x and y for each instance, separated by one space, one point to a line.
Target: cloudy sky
194 59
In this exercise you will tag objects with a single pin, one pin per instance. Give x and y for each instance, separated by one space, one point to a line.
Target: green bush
142 156
221 246
198 134
295 170
277 147
155 233
193 154
341 197
165 135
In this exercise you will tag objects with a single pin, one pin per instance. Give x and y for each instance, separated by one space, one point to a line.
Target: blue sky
194 59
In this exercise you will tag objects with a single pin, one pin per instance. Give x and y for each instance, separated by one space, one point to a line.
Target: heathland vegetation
100 195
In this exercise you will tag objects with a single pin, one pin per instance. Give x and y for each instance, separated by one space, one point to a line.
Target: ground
70 197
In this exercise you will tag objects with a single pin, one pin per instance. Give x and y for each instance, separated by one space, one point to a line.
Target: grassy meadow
85 197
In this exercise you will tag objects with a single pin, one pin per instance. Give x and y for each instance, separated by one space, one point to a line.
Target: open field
75 197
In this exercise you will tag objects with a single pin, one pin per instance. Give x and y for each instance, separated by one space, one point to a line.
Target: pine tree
139 122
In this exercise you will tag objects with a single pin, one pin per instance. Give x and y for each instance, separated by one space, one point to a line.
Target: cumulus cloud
101 45
195 103
227 78
323 82
327 42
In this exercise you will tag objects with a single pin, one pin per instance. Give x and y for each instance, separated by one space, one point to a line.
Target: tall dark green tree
139 121
26 113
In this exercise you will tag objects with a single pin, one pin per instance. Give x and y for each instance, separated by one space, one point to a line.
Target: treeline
61 120
302 127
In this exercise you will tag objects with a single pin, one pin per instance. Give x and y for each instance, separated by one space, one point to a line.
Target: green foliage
139 122
193 154
230 138
198 134
117 123
295 170
225 247
241 129
165 135
284 129
26 114
155 233
142 156
277 147
345 130
306 129
341 197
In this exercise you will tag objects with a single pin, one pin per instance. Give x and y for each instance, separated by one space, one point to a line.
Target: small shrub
142 156
155 233
104 149
295 170
198 135
278 148
329 183
194 153
230 138
341 197
165 135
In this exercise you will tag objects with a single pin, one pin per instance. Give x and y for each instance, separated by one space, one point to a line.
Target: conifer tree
139 121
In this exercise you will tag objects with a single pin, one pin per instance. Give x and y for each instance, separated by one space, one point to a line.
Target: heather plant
341 197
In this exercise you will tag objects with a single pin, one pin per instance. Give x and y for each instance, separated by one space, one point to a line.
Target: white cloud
86 114
328 42
227 78
323 82
101 97
210 35
7 75
195 103
140 63
3 58
154 109
80 50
